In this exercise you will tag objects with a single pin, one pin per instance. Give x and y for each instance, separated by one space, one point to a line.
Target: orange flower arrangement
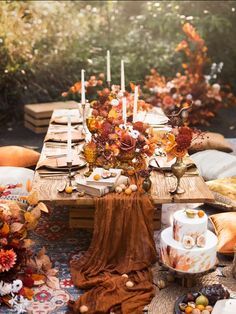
93 86
177 142
191 88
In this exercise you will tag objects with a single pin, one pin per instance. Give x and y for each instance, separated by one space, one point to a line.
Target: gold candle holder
178 169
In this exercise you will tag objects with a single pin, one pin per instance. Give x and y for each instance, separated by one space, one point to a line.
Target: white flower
122 126
189 97
198 103
115 102
17 285
216 87
130 128
134 133
5 288
174 96
120 94
19 304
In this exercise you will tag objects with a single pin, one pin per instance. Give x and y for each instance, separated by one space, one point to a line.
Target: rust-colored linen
122 244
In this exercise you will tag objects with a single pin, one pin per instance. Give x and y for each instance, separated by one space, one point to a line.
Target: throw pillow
213 164
224 191
15 182
224 225
17 156
210 140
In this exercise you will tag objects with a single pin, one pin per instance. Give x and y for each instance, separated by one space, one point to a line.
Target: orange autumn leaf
28 243
29 293
5 229
29 217
38 277
132 86
33 198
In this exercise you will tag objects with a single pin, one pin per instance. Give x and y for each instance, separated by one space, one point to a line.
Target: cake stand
187 280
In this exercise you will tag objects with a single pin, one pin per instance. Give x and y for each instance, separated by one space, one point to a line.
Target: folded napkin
60 163
76 135
154 117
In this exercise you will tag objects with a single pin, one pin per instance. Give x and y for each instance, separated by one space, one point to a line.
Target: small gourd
83 309
129 284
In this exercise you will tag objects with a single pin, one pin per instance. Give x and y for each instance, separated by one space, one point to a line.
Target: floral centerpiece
119 145
20 269
193 87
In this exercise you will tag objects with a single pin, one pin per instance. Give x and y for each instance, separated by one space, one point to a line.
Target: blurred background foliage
44 44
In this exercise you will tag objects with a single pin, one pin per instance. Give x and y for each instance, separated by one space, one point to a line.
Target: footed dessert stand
188 280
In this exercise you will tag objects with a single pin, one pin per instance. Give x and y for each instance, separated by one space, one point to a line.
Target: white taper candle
108 66
69 150
122 76
135 109
82 87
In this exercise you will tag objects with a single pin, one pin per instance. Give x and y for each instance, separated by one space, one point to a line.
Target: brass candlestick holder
178 169
70 175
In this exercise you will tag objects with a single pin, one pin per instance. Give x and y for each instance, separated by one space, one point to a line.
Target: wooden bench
37 116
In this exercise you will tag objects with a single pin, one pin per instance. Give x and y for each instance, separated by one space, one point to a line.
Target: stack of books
98 185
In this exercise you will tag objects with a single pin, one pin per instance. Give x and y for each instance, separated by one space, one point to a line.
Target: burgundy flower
127 143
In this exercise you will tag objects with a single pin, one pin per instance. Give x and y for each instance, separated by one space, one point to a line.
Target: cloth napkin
77 136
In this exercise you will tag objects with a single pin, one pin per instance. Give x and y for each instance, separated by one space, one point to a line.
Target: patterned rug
61 243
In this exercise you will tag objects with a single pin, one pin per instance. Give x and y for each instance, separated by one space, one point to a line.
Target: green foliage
44 44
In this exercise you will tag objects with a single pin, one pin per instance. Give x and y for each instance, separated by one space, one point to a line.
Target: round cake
188 246
185 226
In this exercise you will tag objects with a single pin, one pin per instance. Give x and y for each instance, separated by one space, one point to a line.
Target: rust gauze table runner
122 244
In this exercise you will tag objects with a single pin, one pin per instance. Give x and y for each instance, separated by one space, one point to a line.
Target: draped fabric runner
122 244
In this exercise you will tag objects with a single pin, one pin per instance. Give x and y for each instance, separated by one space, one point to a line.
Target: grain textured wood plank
44 110
44 122
35 129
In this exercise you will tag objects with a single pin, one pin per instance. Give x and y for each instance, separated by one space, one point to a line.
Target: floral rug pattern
61 243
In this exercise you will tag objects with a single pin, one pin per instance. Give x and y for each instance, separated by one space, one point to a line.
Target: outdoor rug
62 243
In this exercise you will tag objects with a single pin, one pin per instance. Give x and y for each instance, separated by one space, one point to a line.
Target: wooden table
82 208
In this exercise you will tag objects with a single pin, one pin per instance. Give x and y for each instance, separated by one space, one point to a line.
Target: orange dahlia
7 259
